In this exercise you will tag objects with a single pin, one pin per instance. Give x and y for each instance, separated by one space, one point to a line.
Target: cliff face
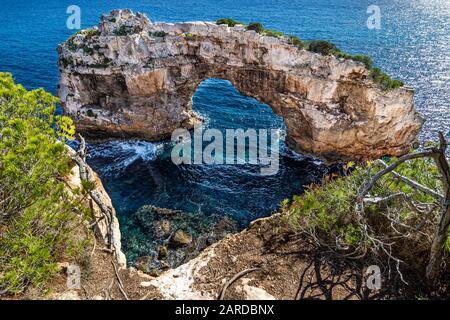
132 78
102 228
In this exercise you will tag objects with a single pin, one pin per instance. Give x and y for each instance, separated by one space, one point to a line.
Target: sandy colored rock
180 238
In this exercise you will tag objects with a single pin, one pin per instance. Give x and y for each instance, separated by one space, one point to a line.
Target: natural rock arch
133 79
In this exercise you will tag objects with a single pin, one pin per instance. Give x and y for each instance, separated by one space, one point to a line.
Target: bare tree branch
413 183
441 232
369 185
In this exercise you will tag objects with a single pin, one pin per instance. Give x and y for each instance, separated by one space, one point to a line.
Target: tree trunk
441 233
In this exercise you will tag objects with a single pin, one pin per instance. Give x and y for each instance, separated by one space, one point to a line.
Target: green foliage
72 45
255 26
124 30
329 211
157 34
188 36
87 185
385 80
229 22
36 209
447 242
272 33
121 31
90 113
90 33
368 62
322 46
88 50
328 48
66 62
294 40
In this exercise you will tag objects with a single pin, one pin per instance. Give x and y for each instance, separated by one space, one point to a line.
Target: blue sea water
412 45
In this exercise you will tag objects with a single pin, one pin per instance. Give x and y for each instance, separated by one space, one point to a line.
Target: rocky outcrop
133 78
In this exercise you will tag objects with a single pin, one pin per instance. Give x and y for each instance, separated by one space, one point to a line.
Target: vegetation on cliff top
323 47
37 214
396 220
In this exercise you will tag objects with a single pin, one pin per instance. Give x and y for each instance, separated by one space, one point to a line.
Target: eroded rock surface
130 78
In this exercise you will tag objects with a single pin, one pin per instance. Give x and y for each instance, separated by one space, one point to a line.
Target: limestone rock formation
130 78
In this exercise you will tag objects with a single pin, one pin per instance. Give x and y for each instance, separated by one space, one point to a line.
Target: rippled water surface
412 45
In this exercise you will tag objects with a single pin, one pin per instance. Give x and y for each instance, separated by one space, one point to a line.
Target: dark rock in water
162 252
147 265
193 233
161 228
180 238
143 263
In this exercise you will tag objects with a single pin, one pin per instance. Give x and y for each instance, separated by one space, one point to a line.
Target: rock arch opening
154 198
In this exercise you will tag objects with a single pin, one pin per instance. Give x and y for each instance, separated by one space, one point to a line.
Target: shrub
255 26
88 50
157 34
294 40
329 214
90 33
272 33
90 113
322 46
229 22
37 213
385 80
328 48
368 62
124 30
66 62
188 36
121 31
71 45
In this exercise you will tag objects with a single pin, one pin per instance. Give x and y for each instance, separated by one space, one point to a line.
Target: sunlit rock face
130 78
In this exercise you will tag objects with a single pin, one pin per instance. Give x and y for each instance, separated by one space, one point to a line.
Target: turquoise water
412 45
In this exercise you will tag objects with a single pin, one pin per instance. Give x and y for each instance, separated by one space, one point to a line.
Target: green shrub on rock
255 26
388 220
272 33
157 34
229 22
37 213
322 46
294 40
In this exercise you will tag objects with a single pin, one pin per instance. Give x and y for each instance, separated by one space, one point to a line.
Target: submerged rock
143 263
180 238
169 249
161 228
162 252
131 78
